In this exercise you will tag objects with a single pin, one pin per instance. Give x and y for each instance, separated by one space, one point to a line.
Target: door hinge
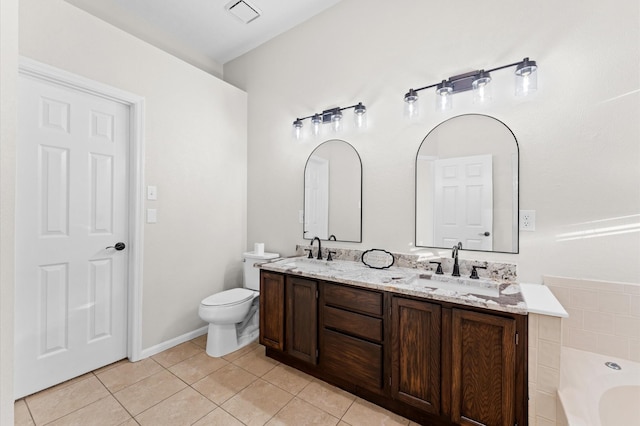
516 345
316 294
317 354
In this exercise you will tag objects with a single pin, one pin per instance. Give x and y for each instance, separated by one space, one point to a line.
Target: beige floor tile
329 398
21 415
130 422
200 341
128 373
56 402
183 408
176 354
222 384
256 362
257 403
364 413
287 378
195 368
218 417
241 352
148 392
104 412
301 413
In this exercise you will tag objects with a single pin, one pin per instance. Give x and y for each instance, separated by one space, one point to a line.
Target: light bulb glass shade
481 88
411 104
316 121
297 128
336 118
444 98
526 77
360 115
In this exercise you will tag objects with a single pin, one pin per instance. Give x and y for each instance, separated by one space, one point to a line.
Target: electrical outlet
527 220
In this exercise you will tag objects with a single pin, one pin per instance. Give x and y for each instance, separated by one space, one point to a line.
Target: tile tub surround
545 344
604 317
498 271
398 280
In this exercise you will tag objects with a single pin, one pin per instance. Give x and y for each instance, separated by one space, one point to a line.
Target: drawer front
353 299
354 359
352 323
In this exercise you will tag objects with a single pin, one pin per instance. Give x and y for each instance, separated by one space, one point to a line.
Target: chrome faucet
454 254
319 257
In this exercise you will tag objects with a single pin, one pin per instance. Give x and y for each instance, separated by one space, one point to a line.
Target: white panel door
72 203
316 198
464 202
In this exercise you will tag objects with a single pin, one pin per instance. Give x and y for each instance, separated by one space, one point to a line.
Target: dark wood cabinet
484 369
434 362
272 310
415 353
302 318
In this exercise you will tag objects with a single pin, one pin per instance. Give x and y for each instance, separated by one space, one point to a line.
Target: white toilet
233 314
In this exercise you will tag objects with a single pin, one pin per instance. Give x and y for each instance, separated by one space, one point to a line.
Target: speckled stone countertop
502 296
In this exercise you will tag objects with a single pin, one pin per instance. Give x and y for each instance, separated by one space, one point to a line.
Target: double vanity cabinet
433 361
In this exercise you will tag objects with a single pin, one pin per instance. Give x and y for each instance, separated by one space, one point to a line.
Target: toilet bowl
233 314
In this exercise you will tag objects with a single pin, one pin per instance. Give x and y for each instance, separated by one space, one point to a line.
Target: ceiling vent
243 10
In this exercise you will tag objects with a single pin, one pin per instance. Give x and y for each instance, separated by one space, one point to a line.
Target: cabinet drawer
353 299
354 359
352 323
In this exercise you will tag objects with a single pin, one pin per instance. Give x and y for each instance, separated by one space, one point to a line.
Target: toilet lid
229 297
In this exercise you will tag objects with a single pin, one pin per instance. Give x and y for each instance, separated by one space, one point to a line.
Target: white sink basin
481 286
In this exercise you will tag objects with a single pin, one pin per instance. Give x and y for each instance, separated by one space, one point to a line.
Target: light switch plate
152 215
152 192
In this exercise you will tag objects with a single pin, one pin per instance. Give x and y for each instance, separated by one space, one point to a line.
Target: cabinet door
415 348
483 363
302 319
272 310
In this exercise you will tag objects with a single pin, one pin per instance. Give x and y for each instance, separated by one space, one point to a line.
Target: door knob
485 234
118 246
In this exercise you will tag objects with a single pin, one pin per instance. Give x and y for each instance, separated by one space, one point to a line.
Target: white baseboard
146 353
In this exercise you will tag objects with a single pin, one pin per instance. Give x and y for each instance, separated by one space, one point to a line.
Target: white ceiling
203 32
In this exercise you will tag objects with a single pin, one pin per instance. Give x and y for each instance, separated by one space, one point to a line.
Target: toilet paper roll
258 248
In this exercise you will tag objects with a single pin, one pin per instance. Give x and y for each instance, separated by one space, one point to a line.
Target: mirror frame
516 177
304 183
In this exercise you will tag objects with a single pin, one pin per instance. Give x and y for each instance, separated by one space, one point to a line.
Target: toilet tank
251 273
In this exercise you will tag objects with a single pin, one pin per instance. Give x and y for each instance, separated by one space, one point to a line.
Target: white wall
8 123
578 135
195 140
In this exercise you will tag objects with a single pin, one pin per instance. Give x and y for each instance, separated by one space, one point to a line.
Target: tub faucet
319 247
454 254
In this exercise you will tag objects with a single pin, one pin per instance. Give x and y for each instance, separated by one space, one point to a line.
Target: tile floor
184 386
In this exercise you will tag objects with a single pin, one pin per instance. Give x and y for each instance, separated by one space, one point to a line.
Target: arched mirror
333 193
467 185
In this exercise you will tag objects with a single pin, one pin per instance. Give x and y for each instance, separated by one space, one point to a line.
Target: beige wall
195 141
8 122
578 134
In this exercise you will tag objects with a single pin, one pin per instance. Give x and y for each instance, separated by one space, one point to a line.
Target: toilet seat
231 297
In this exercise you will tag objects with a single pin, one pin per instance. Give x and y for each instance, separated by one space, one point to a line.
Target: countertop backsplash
498 271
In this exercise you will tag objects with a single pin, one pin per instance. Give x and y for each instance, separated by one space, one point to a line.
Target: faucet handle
310 253
329 258
439 268
474 272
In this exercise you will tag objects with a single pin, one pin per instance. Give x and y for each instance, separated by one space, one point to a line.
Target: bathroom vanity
401 339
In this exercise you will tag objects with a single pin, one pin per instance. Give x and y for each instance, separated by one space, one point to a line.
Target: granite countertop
484 293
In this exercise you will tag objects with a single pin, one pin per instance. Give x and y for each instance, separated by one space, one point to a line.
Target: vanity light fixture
332 116
477 81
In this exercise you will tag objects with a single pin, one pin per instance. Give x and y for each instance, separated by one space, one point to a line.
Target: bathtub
592 394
